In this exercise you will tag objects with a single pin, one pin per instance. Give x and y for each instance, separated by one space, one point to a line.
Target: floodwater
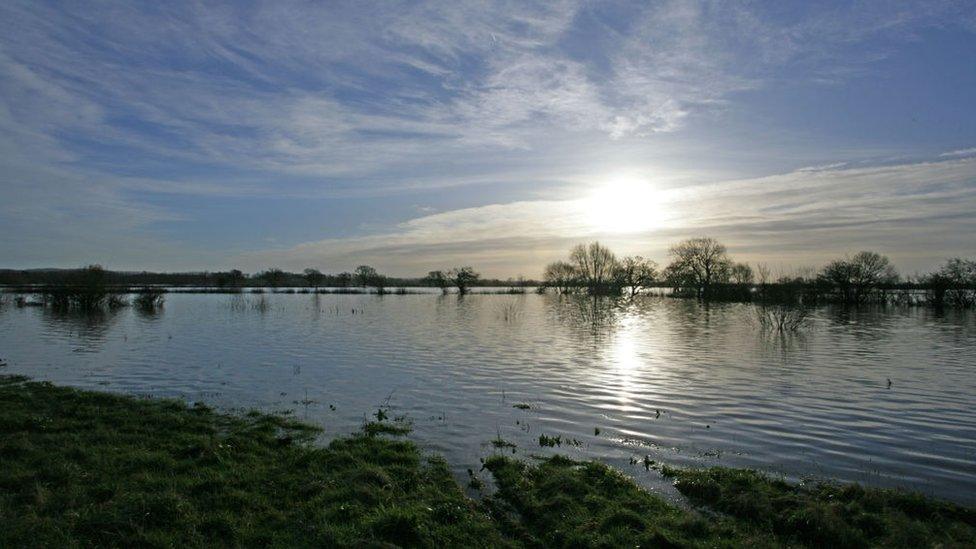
680 382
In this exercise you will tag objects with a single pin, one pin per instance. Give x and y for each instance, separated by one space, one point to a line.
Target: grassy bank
86 468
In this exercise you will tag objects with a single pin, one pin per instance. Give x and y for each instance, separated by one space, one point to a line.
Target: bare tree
856 277
636 273
741 273
365 275
560 276
596 266
698 263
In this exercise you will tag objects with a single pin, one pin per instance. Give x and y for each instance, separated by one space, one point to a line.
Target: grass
828 515
84 468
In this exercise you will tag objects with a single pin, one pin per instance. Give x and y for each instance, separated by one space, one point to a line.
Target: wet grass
825 514
84 468
94 469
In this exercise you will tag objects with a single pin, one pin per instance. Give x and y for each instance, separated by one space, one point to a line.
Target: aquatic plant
781 317
150 298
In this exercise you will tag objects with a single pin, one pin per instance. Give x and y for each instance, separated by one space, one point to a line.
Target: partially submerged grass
828 515
82 468
85 468
564 503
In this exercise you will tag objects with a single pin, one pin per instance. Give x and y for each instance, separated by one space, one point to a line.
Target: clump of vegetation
93 469
550 441
86 290
781 317
521 406
510 311
150 298
828 515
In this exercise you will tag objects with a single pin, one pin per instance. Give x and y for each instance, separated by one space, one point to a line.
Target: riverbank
88 468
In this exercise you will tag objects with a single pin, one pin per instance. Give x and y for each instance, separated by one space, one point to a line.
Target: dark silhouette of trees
560 276
954 283
463 277
314 277
365 275
636 273
85 290
344 279
272 277
855 278
741 273
437 279
596 267
698 264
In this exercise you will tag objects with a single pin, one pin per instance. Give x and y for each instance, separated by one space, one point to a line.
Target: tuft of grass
521 406
550 441
93 469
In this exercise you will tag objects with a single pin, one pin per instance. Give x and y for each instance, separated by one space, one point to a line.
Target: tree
856 277
343 279
365 275
463 277
954 282
635 272
272 277
698 263
741 273
595 265
437 279
314 277
560 276
235 277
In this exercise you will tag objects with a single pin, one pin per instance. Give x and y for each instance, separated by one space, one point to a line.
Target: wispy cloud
103 108
919 213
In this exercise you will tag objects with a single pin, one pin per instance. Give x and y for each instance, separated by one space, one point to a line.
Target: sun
623 204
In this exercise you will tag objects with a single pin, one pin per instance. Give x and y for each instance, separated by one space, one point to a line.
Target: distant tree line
702 268
363 276
699 268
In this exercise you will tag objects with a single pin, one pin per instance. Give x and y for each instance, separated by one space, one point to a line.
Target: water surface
683 383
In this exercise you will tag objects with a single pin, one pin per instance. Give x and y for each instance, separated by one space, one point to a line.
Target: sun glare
623 205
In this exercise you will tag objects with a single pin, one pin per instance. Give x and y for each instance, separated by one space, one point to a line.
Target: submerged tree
437 279
954 283
272 277
856 277
463 277
698 263
635 272
561 276
596 266
365 275
314 277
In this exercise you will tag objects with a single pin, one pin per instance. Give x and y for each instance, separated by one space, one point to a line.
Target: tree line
463 278
702 268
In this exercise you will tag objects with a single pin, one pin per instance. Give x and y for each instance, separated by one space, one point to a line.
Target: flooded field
884 396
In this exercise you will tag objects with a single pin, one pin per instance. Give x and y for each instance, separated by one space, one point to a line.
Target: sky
414 136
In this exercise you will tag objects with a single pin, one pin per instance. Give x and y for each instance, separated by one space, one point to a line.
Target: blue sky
421 135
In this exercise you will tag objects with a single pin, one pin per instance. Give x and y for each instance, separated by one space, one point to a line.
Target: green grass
828 515
83 468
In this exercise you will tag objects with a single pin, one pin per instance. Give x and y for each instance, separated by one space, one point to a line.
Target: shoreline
92 468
